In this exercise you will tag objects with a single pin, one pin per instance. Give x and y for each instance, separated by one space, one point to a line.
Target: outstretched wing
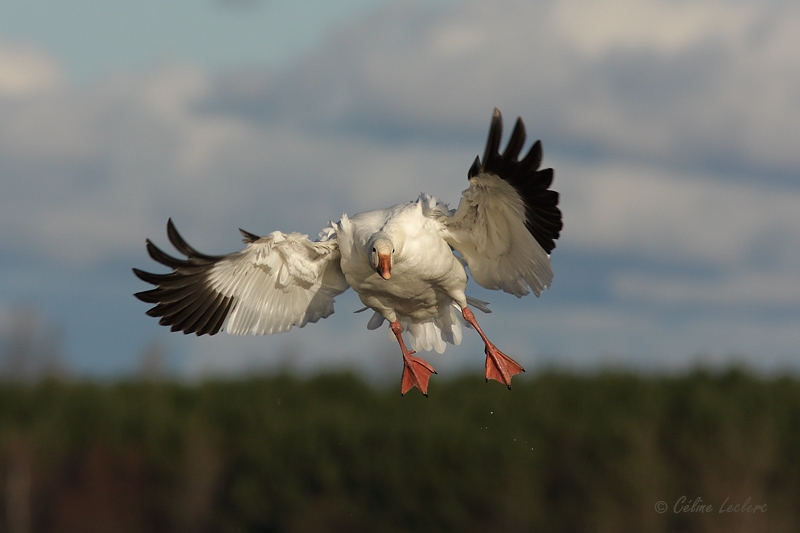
276 282
508 219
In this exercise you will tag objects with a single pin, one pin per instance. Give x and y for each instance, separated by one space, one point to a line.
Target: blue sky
673 128
93 39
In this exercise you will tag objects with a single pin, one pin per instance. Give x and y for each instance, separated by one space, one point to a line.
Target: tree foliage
559 452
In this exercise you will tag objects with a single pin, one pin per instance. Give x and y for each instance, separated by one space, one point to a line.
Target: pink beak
385 265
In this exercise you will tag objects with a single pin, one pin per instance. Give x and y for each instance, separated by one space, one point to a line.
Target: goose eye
373 249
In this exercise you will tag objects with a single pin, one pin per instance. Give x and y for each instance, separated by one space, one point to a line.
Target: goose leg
416 371
499 366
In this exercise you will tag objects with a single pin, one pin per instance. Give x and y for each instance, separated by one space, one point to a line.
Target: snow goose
400 260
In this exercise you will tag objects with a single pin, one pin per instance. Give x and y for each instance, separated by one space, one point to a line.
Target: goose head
381 250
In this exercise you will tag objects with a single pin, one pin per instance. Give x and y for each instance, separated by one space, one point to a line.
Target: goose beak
385 265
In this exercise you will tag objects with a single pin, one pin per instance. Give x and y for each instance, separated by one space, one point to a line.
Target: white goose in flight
400 260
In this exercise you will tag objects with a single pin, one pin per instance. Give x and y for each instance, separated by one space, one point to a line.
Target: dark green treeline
557 453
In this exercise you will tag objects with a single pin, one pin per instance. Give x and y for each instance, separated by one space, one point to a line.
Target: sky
673 129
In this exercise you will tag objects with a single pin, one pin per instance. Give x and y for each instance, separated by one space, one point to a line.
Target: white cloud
91 163
705 81
675 216
24 71
96 170
597 28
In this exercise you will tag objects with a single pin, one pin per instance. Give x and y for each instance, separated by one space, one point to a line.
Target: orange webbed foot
500 367
416 373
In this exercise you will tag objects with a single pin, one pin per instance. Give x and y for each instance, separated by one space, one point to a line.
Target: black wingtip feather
533 159
153 296
495 135
139 273
184 299
516 141
475 169
178 241
247 237
201 324
543 217
217 320
149 277
158 255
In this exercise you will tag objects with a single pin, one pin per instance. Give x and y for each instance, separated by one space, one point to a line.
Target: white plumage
400 260
277 282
